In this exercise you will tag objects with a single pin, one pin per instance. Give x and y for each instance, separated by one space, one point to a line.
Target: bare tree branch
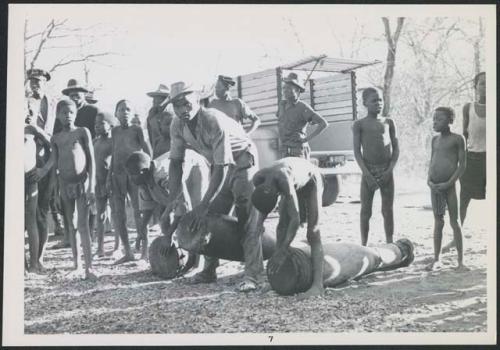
64 62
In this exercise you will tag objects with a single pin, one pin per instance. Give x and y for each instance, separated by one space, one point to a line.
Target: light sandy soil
129 299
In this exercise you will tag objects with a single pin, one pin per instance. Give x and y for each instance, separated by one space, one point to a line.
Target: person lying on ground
376 151
300 185
126 139
447 164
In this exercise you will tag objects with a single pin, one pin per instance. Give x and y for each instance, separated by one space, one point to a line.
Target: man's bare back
375 139
125 142
444 160
71 157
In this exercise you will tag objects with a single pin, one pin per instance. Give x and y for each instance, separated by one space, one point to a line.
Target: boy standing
377 137
33 134
73 156
447 165
102 147
126 139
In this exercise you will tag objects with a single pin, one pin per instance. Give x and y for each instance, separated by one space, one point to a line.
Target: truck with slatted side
330 90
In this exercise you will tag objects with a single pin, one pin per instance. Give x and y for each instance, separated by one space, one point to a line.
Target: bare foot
312 292
144 254
124 259
60 245
433 266
447 248
462 268
78 273
100 253
90 276
37 269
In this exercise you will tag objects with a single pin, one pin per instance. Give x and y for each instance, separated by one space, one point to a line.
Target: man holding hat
293 118
233 156
86 113
155 115
233 108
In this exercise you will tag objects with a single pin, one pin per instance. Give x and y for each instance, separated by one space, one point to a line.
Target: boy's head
104 122
372 100
480 83
66 111
165 122
124 111
137 166
443 117
265 197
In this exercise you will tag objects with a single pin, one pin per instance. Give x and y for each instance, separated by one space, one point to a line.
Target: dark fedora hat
73 85
293 78
227 80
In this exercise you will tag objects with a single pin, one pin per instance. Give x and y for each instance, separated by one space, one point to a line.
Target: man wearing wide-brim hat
235 108
294 116
233 157
155 115
86 113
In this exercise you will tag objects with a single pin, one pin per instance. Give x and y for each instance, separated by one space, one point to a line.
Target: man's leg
141 228
366 198
120 219
464 205
69 212
57 216
42 215
451 200
30 205
313 200
84 230
387 195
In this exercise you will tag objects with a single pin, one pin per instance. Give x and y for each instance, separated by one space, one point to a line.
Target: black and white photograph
230 174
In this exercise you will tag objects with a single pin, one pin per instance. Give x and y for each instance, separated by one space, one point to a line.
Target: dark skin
375 142
447 165
480 109
295 180
73 154
187 107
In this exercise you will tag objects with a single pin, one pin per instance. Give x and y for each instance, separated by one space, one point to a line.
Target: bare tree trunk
477 47
392 42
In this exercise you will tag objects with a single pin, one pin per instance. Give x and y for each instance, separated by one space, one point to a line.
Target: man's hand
372 182
37 175
384 177
277 260
442 186
199 216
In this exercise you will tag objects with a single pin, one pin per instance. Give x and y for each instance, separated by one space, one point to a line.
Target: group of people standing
198 157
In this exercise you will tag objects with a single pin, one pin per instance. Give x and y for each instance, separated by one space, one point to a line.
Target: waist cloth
473 180
439 200
73 190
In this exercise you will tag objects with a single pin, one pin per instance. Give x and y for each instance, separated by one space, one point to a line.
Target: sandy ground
129 299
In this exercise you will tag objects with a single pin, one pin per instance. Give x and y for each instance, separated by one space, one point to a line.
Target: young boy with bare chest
33 134
447 165
102 148
126 139
376 151
73 156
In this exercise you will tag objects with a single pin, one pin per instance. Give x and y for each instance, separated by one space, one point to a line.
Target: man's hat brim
296 83
157 93
38 74
68 90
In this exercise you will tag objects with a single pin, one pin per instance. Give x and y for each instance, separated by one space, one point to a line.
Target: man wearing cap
293 118
90 98
43 108
155 115
86 113
233 108
233 157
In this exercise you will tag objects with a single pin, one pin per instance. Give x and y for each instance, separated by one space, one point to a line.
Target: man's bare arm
292 208
356 139
145 145
217 180
321 125
175 172
465 126
89 154
461 162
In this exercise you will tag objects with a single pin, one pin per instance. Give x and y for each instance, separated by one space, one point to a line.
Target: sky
167 43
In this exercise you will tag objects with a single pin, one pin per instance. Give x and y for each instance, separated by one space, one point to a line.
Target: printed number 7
270 338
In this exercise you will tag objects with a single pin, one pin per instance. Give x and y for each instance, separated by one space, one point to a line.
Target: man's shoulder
212 117
89 109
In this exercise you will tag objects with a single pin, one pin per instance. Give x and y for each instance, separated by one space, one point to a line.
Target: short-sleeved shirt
293 119
151 196
217 137
234 108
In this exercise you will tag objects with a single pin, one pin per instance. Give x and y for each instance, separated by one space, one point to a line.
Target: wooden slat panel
333 105
332 92
261 96
345 84
265 73
263 103
265 110
258 89
333 78
267 117
259 81
336 111
338 117
333 98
